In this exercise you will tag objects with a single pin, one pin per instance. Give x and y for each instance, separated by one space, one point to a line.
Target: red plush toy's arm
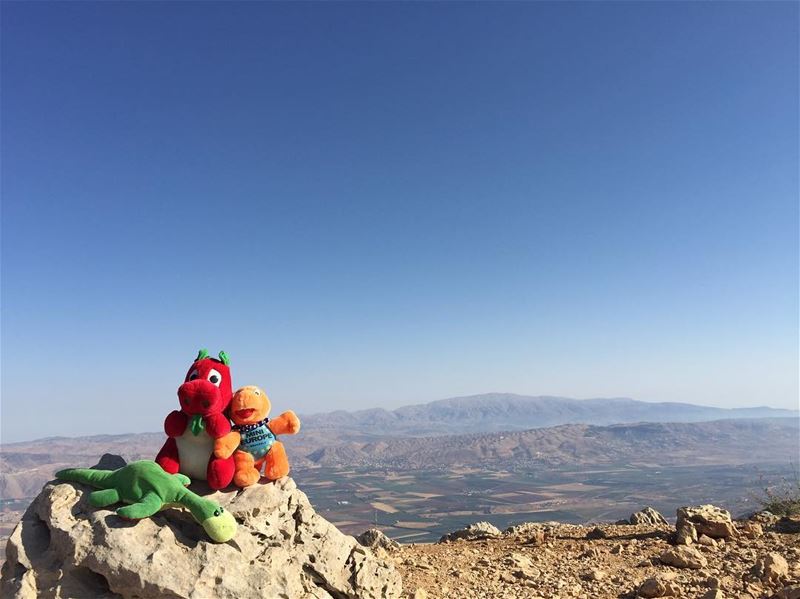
286 424
175 424
217 425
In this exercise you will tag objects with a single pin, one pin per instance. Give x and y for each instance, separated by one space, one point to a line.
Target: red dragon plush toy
204 397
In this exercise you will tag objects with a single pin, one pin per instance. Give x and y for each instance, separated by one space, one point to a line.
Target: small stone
596 533
707 541
709 520
594 574
473 532
750 529
527 574
508 578
374 538
770 569
684 557
617 549
420 593
712 594
648 516
647 562
523 529
652 587
685 534
764 517
535 537
517 560
712 582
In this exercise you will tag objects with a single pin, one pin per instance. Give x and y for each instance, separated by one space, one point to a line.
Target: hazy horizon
159 430
378 204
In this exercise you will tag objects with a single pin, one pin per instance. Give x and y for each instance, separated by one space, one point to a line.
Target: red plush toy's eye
214 377
194 375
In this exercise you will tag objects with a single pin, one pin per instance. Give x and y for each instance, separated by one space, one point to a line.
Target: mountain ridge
666 443
509 411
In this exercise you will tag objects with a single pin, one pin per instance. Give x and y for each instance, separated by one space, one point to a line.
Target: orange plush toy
253 440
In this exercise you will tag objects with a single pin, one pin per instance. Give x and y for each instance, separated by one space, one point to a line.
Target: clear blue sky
382 204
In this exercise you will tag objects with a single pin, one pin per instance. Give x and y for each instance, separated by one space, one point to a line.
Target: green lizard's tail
87 476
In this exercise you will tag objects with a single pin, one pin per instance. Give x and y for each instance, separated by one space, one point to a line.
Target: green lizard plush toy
148 489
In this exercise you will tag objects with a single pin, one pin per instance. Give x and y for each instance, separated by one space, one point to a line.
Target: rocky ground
557 561
64 547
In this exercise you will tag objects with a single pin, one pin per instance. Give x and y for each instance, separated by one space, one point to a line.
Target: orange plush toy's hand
286 424
226 445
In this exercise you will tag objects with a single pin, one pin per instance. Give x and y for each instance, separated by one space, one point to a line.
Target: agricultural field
420 506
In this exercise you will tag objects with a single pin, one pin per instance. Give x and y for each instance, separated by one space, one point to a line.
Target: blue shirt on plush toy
256 438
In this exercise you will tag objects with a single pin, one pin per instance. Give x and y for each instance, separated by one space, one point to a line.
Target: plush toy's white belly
194 452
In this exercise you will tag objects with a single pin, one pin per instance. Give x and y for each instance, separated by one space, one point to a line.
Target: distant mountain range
502 429
718 442
494 412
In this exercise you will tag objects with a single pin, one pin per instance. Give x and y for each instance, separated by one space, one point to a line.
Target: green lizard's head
220 525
